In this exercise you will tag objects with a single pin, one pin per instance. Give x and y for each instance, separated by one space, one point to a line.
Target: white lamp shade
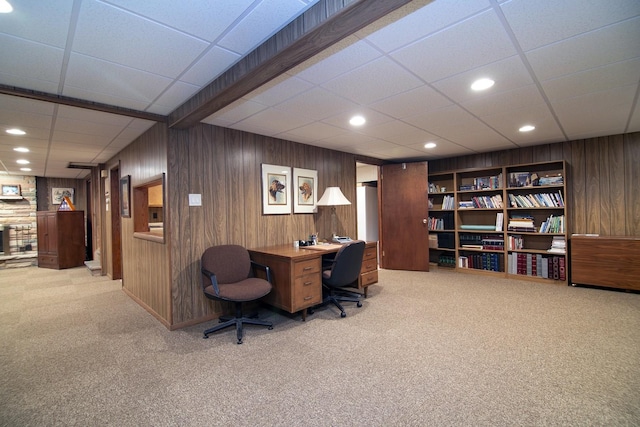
333 197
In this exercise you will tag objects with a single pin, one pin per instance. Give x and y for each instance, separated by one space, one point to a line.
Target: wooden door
404 209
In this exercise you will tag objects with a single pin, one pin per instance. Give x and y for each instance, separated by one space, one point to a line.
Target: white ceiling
571 68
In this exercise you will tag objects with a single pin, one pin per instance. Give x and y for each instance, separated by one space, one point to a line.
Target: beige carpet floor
426 349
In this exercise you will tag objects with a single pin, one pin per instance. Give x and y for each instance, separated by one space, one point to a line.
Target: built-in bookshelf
508 221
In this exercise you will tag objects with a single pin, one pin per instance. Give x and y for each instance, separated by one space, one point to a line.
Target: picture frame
125 196
305 190
276 195
59 193
11 190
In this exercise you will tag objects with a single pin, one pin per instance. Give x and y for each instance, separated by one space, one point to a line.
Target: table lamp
333 197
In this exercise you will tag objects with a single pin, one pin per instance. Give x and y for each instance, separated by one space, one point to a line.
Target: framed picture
305 190
11 190
59 193
125 196
276 194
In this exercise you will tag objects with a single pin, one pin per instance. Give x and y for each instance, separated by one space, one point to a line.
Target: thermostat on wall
195 199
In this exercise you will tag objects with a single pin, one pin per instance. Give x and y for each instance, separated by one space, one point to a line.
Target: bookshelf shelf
502 216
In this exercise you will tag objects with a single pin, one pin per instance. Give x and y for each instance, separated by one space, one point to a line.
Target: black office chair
343 272
228 275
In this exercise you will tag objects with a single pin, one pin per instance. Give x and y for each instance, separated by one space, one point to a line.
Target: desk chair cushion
346 265
232 268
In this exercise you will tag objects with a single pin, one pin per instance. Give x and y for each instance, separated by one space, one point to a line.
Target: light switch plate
195 199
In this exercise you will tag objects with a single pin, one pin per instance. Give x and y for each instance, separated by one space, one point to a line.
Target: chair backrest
346 265
230 263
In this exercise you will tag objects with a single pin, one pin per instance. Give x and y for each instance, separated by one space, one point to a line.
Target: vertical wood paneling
616 168
592 190
224 165
632 183
604 184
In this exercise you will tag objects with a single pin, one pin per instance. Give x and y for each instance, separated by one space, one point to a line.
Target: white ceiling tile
596 111
470 44
235 112
103 30
372 118
40 68
346 55
406 104
508 74
209 66
398 132
317 104
505 102
206 19
274 122
508 123
315 131
176 94
597 79
63 137
425 21
266 18
443 148
278 90
594 49
372 82
43 22
551 22
132 89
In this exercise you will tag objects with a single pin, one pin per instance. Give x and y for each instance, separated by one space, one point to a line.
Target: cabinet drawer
367 279
369 265
48 261
370 253
307 291
301 268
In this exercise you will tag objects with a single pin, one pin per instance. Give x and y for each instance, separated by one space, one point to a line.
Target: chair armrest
263 267
213 278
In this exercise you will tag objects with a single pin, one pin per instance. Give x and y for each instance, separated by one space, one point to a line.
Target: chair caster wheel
270 328
343 314
205 337
359 304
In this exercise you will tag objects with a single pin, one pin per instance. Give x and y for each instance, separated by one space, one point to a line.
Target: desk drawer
48 261
307 291
369 265
301 268
370 253
369 278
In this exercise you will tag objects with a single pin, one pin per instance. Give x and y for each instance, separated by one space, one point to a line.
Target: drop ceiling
570 68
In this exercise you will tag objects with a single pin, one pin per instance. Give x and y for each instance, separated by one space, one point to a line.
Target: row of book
482 183
479 202
537 265
482 261
483 242
553 224
536 200
532 179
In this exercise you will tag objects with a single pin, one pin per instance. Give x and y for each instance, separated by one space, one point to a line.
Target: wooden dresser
60 239
609 261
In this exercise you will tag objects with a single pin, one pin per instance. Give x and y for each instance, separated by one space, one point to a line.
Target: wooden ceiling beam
322 25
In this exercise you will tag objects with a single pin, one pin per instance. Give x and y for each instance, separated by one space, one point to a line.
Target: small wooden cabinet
60 239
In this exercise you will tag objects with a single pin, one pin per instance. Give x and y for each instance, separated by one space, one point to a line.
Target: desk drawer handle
307 298
307 268
308 283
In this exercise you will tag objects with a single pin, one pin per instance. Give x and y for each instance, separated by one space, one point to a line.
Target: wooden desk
296 274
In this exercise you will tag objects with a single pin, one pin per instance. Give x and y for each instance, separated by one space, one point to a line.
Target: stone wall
18 218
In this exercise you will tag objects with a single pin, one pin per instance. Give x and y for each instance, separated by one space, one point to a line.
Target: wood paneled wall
224 166
603 181
145 264
44 186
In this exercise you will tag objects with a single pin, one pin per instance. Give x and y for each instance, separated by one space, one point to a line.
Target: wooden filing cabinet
369 270
60 239
295 275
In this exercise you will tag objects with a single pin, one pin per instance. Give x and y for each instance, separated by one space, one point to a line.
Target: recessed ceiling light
21 149
16 131
5 7
22 162
482 84
430 145
25 169
527 128
357 121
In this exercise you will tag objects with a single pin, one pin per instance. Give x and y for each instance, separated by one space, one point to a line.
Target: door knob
424 220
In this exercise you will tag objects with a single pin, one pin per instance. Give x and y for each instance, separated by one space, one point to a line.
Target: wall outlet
195 199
